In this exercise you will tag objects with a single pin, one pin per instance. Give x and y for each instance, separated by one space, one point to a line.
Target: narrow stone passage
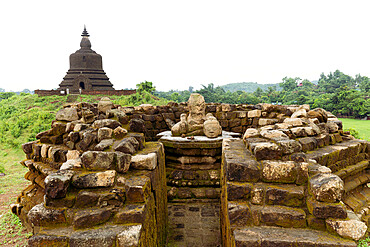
194 224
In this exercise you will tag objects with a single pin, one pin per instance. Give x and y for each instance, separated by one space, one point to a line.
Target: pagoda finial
85 33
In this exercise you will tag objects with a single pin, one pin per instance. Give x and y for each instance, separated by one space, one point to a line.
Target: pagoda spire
85 42
85 33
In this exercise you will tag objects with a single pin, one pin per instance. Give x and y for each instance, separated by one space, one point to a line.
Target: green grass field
361 126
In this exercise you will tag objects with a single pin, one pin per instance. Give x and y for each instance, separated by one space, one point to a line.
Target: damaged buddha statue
197 123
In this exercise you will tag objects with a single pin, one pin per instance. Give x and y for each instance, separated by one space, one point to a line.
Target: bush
2 169
353 133
364 242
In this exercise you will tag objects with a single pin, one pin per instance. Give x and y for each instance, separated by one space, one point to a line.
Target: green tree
146 86
363 83
333 81
289 84
258 93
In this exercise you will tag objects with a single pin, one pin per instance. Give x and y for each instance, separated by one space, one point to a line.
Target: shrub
353 133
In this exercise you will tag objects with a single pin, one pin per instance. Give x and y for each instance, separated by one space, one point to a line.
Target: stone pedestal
193 166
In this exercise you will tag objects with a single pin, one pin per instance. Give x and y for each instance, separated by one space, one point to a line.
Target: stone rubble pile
288 172
94 183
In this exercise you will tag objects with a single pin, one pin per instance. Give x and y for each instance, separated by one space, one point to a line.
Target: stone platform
193 165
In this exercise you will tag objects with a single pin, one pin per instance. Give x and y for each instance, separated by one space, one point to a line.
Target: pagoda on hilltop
86 70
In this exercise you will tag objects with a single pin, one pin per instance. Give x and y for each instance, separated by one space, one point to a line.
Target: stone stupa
86 70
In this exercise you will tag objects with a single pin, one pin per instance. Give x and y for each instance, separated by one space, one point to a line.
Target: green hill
248 87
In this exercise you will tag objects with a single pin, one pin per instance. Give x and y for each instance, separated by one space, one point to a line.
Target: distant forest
248 87
337 92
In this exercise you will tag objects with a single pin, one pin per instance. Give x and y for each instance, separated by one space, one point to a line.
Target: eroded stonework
97 180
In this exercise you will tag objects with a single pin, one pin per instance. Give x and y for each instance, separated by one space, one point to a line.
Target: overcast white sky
177 44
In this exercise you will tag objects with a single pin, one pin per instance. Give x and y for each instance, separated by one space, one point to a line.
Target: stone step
358 198
111 235
352 182
284 237
204 166
192 175
175 193
329 155
272 194
192 159
241 214
352 170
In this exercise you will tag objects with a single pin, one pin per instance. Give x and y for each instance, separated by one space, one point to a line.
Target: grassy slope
362 126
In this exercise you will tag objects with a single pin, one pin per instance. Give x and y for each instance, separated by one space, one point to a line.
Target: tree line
337 92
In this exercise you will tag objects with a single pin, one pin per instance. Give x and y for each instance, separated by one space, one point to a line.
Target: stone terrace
99 177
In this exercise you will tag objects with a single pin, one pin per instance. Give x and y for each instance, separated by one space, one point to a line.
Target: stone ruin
276 176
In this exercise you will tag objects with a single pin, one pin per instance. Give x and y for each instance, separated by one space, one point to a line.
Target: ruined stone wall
234 118
301 173
97 179
93 183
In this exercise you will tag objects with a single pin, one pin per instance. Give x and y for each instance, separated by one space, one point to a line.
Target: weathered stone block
243 170
324 210
308 143
86 199
90 218
267 121
238 191
316 223
57 184
137 189
104 105
352 228
95 179
258 193
274 134
239 214
299 131
109 123
119 132
254 113
131 213
144 161
27 147
332 126
104 133
48 241
98 160
137 125
251 132
67 114
300 113
127 145
286 195
283 216
93 238
41 216
129 236
267 151
326 187
279 171
123 162
295 122
104 144
289 146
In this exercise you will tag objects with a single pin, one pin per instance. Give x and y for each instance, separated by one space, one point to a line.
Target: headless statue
197 123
